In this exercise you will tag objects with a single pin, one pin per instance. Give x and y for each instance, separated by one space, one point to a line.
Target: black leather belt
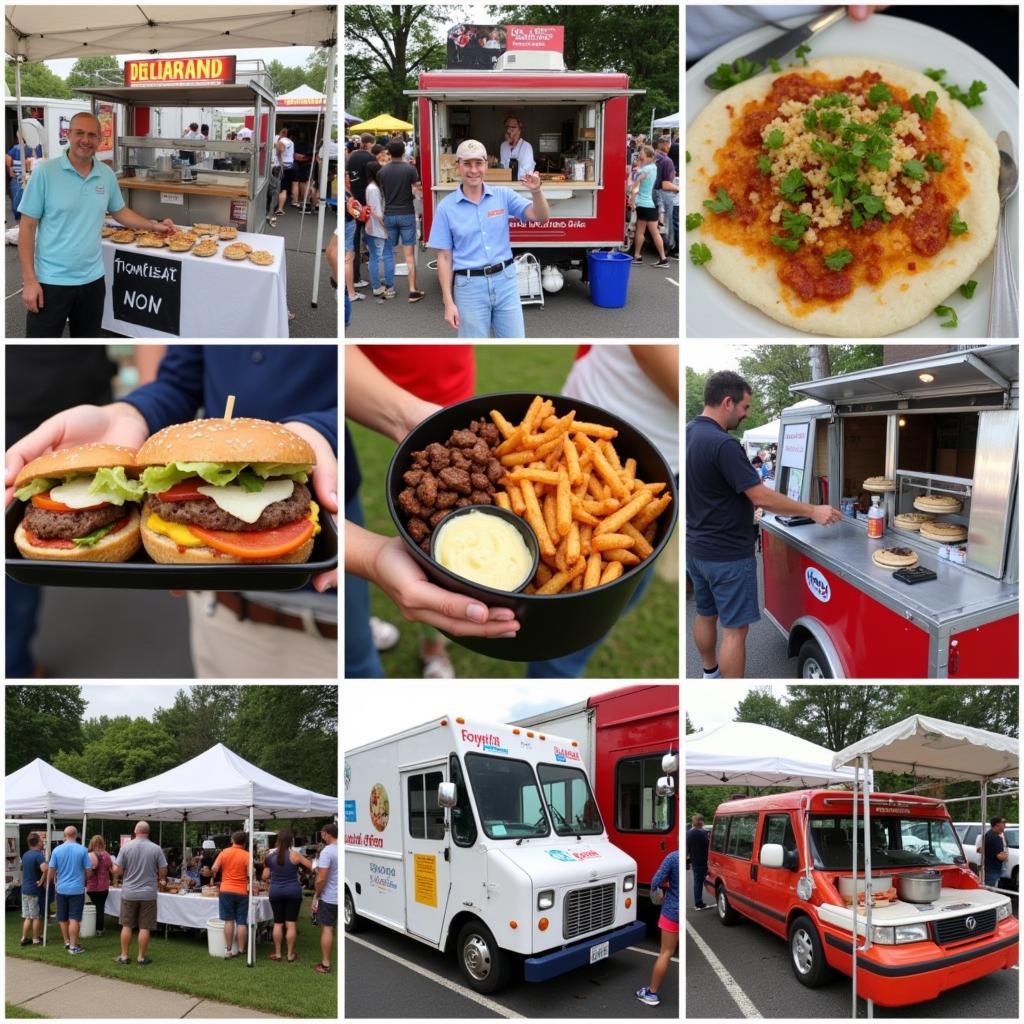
494 268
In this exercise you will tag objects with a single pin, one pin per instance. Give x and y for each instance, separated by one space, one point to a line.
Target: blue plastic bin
609 278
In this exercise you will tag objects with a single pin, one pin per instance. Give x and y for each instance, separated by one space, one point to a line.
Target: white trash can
215 938
87 930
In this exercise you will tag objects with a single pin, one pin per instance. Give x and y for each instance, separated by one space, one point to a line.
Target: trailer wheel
806 953
483 964
726 914
353 922
812 663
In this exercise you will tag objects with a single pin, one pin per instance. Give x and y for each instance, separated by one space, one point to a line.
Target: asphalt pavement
423 982
766 646
744 971
321 322
651 312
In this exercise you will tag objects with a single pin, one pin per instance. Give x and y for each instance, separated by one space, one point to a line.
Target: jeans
489 302
350 236
361 658
700 872
381 249
401 228
992 877
23 601
663 201
357 265
674 243
16 194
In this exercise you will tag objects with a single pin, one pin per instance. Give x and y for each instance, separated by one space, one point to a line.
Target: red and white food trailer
942 425
576 123
624 737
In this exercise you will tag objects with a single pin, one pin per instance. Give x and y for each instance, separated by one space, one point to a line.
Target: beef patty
206 513
49 525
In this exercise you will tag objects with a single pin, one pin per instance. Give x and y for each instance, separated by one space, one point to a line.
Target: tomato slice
258 543
46 502
187 490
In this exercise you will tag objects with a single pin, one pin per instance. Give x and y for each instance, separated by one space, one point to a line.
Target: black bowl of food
452 461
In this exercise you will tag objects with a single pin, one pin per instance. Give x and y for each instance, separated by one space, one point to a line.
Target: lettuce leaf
161 478
116 486
38 486
91 538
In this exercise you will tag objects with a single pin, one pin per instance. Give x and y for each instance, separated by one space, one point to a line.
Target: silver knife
781 45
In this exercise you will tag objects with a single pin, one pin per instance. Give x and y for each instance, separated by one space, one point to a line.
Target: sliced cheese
314 517
248 505
75 493
179 533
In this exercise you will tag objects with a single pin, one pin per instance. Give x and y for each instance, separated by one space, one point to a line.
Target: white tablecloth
189 911
220 298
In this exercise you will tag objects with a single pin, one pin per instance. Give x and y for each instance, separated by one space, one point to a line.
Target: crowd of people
74 872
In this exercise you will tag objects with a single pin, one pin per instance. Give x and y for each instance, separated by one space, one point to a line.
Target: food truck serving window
426 818
638 808
507 797
570 801
463 823
896 841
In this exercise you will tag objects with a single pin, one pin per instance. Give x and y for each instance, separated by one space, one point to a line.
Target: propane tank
876 519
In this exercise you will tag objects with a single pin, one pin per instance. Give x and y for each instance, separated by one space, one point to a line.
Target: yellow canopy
381 123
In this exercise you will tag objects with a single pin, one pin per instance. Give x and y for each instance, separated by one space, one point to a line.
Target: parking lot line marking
672 280
739 997
649 952
468 993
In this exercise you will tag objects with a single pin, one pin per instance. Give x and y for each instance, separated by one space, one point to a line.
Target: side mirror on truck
447 794
670 764
774 855
666 786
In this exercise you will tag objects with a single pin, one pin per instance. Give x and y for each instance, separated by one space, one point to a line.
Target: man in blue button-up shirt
62 212
474 256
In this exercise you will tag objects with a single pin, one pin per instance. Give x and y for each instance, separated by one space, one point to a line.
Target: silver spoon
1002 311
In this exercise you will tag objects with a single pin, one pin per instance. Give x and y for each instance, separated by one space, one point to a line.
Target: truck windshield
896 842
572 805
507 798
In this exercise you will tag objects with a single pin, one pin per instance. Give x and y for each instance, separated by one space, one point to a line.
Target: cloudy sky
289 56
138 700
714 702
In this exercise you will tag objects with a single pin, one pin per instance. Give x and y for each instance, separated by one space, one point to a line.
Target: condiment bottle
876 519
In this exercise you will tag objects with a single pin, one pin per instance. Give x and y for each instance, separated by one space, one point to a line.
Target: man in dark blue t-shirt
697 843
33 871
995 851
722 491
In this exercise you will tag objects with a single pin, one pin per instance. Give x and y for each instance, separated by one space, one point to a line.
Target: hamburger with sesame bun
227 491
82 505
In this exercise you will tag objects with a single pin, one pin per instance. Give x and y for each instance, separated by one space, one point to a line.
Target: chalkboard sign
147 291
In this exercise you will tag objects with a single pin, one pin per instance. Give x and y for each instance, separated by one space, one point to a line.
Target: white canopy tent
748 754
37 33
932 748
672 121
39 790
213 786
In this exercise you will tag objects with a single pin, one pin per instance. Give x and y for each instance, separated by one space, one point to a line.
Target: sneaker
385 635
389 293
645 995
379 292
25 942
638 259
122 960
358 297
37 942
322 968
361 284
674 255
701 906
74 950
437 666
144 963
661 264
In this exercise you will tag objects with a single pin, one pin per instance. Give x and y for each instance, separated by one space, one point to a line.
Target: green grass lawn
10 1010
182 963
643 645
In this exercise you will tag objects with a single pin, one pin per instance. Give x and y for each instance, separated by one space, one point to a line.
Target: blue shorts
69 908
401 226
350 237
725 589
233 906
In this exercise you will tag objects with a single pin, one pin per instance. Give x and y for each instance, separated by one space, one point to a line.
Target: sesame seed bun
115 547
219 440
83 458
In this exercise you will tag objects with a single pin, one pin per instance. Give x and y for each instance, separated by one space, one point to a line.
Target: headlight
882 934
629 883
911 933
546 899
1003 911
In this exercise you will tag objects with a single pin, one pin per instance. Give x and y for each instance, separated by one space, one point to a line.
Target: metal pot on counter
919 886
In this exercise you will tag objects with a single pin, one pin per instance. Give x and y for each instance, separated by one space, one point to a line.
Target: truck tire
806 954
353 922
484 966
726 914
811 662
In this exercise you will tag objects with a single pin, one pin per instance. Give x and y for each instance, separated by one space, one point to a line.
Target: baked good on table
123 236
227 233
106 232
913 520
207 247
236 251
182 241
943 504
894 558
261 258
206 229
879 484
946 533
151 239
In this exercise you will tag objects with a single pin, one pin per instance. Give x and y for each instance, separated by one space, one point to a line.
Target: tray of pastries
151 239
944 533
913 520
943 504
182 241
237 251
879 484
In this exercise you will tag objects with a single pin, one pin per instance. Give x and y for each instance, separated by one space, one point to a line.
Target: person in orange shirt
233 864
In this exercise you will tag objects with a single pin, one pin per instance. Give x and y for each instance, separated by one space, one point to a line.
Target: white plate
712 311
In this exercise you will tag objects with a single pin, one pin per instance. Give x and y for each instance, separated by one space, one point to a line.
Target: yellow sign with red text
180 71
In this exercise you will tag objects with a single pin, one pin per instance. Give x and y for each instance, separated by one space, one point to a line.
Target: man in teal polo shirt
471 235
62 212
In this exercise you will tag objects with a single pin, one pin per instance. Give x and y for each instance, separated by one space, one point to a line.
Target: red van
786 862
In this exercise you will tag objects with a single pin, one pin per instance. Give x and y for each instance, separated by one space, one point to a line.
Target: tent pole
21 128
328 120
867 868
981 830
250 953
47 845
309 181
855 939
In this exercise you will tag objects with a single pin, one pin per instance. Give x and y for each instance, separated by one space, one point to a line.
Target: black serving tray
139 573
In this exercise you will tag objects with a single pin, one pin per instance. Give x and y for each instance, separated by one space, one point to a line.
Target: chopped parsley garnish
833 99
731 74
795 223
831 120
878 93
936 75
869 203
775 139
880 158
764 162
774 65
699 254
967 289
838 259
810 120
693 220
825 149
956 225
721 203
789 244
801 53
924 107
792 186
947 311
971 98
892 113
914 169
934 161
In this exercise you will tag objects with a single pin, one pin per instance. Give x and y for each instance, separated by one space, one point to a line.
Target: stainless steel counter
846 550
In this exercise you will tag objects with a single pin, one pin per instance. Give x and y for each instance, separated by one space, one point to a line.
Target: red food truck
628 737
575 122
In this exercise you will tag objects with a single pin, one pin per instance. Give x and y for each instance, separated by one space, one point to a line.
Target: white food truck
486 839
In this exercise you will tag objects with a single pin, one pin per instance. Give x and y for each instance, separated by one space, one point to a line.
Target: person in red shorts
667 878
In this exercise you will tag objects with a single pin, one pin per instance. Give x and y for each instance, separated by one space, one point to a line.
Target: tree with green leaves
762 707
38 80
95 71
199 719
130 750
285 78
40 721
